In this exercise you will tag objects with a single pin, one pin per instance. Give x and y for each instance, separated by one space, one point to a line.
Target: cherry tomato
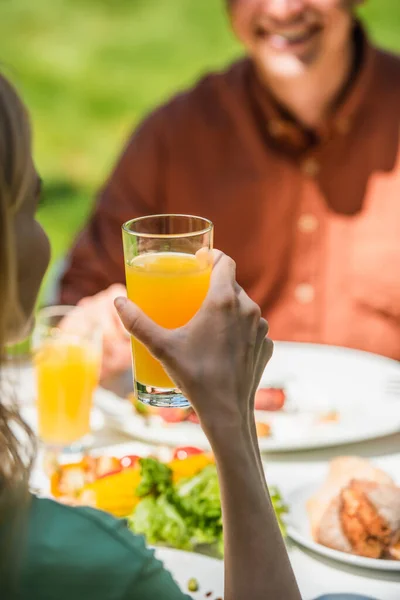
128 461
186 451
270 399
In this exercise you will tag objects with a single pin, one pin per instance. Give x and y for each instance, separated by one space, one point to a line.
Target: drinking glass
67 356
168 266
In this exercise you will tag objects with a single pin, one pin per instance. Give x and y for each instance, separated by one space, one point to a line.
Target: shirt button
307 223
310 167
304 293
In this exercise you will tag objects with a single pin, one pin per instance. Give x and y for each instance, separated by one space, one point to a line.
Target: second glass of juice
67 357
168 265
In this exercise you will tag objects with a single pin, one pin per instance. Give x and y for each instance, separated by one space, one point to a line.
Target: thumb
144 329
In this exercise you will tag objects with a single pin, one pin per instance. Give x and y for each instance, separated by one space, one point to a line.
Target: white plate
362 387
209 572
298 528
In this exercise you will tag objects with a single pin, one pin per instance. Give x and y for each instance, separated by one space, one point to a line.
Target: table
316 575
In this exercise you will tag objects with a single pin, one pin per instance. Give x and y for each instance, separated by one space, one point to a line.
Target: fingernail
119 303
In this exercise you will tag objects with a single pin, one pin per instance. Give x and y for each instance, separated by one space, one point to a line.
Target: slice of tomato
129 460
105 465
109 473
185 451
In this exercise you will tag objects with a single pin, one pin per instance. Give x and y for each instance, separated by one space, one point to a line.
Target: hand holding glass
168 267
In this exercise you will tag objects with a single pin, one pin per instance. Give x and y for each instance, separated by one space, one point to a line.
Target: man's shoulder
387 68
212 85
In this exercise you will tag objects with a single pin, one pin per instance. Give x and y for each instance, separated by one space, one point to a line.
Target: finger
115 290
247 305
119 331
267 351
238 288
255 327
221 292
224 271
262 333
138 324
84 302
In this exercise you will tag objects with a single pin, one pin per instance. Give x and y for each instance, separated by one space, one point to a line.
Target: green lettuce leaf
280 508
156 477
160 522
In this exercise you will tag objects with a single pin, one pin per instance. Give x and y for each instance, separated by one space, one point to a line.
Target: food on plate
70 478
333 416
280 507
176 503
394 551
186 451
107 483
110 483
270 399
263 429
357 510
183 513
371 517
114 493
193 585
173 415
168 415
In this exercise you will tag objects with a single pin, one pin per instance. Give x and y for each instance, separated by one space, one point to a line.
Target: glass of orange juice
168 267
67 354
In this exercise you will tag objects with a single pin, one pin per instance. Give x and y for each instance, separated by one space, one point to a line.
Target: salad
183 514
175 504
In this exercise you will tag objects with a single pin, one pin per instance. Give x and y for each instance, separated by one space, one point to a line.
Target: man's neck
312 97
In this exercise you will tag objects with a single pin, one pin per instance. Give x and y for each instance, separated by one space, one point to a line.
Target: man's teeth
292 37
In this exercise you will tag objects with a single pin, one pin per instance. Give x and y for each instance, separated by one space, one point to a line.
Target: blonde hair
17 446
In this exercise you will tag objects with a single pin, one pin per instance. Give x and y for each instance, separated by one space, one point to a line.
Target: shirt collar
286 134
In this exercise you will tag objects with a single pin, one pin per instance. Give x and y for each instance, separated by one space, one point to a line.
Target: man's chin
287 65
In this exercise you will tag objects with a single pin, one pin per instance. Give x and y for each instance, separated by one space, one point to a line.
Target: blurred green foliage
90 69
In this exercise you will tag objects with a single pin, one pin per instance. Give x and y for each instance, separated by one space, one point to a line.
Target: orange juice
67 374
170 288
